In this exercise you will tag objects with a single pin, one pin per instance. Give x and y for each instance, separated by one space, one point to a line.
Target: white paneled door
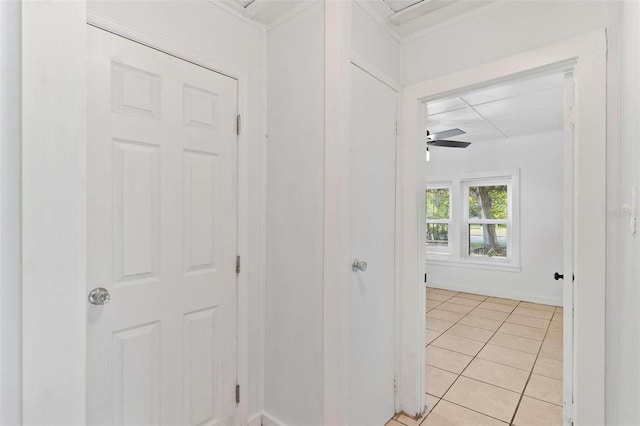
162 216
372 291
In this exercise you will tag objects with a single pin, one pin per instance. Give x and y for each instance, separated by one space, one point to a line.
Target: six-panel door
162 215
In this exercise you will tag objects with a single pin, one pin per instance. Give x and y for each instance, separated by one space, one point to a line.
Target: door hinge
237 394
397 128
571 116
238 124
395 383
237 264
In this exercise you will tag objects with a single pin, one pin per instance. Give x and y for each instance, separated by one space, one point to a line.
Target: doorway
494 238
162 237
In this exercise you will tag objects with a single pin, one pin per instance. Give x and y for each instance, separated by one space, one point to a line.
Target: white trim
269 420
588 53
256 420
470 264
502 294
239 73
375 72
290 14
369 8
235 9
337 214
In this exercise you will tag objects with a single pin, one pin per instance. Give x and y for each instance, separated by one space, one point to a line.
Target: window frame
459 220
449 248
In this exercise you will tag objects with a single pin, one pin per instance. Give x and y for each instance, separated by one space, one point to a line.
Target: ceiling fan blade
445 134
449 144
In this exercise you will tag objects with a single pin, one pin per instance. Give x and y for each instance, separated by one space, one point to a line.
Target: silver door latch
99 296
359 265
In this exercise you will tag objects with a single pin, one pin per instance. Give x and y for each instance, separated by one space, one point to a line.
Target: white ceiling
507 110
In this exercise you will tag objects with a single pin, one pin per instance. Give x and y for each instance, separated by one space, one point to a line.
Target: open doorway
494 222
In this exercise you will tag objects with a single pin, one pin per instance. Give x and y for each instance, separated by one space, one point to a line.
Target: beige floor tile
445 292
506 356
510 302
458 344
551 350
516 342
454 307
484 398
434 303
556 327
548 308
448 360
465 301
438 296
431 335
437 324
487 324
486 313
528 321
532 412
432 400
554 336
410 421
445 315
496 307
448 414
437 381
472 296
496 374
473 333
558 316
535 313
545 389
522 331
548 367
393 422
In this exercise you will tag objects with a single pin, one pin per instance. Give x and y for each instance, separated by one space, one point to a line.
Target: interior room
220 212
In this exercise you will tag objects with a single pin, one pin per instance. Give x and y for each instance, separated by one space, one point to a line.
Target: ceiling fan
439 139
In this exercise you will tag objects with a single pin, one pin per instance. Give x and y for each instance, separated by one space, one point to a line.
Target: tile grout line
515 412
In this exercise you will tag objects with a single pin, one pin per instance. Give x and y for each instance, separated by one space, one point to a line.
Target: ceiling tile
244 3
512 89
533 128
444 105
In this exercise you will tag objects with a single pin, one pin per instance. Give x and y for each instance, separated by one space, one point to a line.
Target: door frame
54 140
587 53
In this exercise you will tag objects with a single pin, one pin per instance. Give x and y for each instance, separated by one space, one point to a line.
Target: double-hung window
438 218
473 219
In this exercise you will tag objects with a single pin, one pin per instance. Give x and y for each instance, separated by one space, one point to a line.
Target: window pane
488 240
437 235
437 203
488 202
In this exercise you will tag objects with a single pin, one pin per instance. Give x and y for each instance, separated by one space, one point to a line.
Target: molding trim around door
588 54
241 74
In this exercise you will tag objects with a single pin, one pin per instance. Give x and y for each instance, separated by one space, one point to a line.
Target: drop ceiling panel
533 129
444 105
244 3
514 89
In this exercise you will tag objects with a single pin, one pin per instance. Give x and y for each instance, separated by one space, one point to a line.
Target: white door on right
372 291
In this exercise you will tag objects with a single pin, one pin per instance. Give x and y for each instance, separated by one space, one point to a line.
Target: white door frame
54 107
588 54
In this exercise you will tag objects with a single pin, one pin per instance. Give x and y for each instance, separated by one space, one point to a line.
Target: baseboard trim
255 420
269 420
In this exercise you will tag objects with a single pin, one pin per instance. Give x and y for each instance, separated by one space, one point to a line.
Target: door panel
372 292
161 238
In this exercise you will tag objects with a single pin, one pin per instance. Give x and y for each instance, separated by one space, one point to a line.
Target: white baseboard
255 420
505 295
269 420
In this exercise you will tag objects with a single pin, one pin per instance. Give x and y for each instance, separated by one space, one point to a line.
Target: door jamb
588 52
241 75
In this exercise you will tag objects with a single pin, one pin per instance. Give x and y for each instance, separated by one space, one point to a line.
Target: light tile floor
490 361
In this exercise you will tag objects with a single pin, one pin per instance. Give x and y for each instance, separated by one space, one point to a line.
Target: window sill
504 267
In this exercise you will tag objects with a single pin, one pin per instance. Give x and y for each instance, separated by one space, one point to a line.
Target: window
473 220
438 218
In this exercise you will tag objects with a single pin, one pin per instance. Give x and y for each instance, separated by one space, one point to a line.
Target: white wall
508 28
10 215
539 158
295 188
627 333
